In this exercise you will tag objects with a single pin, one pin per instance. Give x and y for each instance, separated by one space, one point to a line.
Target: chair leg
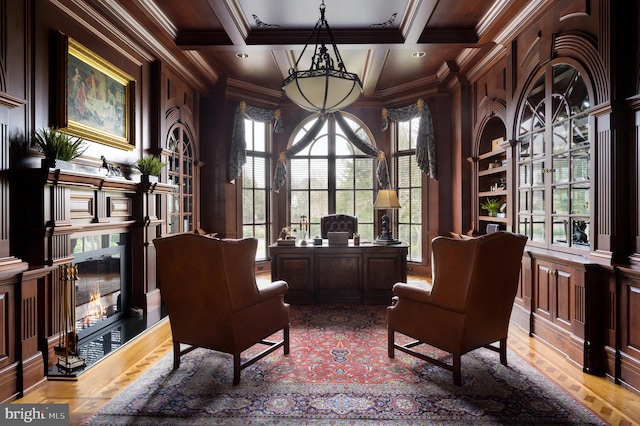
390 342
457 376
176 355
236 368
503 351
285 337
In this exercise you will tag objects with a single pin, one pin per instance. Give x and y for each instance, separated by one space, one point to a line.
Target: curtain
280 175
425 144
238 155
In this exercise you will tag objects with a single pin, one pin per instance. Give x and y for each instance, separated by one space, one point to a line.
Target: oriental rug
338 373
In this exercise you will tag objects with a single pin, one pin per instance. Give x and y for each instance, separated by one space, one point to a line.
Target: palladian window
331 175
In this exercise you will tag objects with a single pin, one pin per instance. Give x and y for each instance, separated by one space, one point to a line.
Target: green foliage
56 145
492 205
150 165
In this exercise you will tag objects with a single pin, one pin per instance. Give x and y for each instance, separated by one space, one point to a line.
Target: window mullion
332 165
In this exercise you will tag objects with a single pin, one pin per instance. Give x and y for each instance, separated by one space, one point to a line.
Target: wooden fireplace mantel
50 206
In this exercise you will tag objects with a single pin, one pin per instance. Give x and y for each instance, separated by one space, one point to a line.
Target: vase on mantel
148 179
48 163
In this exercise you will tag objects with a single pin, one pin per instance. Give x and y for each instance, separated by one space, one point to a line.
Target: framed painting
97 100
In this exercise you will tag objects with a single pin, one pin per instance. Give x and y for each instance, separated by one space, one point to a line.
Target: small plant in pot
150 166
492 205
57 146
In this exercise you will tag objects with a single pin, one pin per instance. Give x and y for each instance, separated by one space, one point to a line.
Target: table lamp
386 199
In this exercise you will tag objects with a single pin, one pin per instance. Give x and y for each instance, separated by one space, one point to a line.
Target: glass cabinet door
554 161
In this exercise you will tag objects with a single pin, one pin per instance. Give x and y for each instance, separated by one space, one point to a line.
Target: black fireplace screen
100 288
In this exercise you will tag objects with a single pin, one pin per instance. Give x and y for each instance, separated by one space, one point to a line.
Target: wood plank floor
615 404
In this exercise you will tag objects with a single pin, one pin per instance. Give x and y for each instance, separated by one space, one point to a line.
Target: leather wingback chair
469 303
338 223
209 288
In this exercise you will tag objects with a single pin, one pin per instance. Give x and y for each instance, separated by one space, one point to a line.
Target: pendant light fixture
322 88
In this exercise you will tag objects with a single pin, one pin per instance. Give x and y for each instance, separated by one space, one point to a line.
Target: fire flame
95 310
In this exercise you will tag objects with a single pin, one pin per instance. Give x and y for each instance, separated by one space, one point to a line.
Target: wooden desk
339 274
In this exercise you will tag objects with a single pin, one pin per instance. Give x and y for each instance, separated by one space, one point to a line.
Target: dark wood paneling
32 372
563 291
9 382
7 325
559 298
542 289
632 339
628 367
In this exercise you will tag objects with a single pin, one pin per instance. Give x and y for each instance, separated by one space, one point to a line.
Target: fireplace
101 287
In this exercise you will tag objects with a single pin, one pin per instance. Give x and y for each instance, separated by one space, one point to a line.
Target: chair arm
415 292
272 289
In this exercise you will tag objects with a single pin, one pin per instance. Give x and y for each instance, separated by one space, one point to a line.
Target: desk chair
338 223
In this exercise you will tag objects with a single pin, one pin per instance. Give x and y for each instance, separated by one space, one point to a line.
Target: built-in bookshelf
492 167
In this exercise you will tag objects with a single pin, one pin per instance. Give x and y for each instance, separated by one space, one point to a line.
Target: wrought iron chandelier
322 88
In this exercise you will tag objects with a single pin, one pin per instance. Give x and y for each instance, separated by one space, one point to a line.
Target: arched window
332 176
554 165
180 215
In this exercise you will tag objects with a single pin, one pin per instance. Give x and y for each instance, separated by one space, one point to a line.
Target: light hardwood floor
615 404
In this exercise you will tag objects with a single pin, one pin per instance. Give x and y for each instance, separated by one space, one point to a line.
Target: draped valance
425 144
280 175
238 156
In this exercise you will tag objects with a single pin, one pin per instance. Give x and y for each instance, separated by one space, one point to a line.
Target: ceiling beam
372 71
276 37
190 40
341 36
449 36
231 18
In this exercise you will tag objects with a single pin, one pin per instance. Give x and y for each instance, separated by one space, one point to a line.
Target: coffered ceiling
395 46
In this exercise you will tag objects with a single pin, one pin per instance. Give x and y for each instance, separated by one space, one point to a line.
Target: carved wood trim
119 207
582 47
603 183
81 206
6 326
575 9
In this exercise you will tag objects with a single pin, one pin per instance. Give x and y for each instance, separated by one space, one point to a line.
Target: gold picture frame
96 99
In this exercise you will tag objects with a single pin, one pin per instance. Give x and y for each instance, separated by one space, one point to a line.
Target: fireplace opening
103 321
101 295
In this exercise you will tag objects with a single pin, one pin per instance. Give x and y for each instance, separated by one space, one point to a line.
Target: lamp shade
386 199
322 90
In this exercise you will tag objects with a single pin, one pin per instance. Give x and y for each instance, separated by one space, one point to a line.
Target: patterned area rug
338 373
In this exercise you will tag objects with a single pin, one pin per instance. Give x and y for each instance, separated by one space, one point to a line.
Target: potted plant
492 205
150 166
57 146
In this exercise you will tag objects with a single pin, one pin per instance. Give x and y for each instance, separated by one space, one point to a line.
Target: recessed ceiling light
418 54
242 55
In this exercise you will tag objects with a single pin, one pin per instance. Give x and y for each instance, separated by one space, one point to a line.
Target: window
330 175
409 186
255 192
181 173
554 161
